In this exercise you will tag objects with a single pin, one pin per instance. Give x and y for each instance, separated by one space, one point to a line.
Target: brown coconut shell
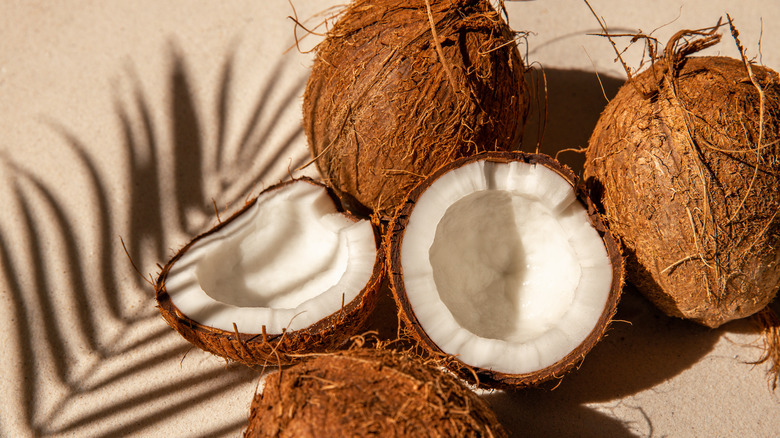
398 89
686 163
269 349
485 377
368 392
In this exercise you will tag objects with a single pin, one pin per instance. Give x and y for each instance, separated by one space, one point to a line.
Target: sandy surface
122 121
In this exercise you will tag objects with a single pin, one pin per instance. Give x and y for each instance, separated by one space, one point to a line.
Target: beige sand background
121 122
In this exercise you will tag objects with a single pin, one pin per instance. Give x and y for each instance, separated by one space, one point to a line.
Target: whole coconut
686 159
399 88
368 392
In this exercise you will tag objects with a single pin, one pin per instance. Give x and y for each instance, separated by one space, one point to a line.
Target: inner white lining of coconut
285 263
503 267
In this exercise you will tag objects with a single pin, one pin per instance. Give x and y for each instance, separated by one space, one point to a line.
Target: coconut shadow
642 349
562 118
533 414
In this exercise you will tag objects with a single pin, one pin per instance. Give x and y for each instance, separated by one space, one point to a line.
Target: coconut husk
399 88
369 392
488 378
685 160
270 349
768 323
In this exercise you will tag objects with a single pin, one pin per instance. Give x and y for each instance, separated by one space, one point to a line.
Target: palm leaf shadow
157 211
146 222
164 391
241 171
223 110
104 227
249 147
188 148
173 410
86 322
22 328
52 335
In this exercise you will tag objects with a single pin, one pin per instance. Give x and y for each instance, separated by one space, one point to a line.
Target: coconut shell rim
489 378
273 348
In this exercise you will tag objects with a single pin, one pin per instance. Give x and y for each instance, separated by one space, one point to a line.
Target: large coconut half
290 273
368 392
501 262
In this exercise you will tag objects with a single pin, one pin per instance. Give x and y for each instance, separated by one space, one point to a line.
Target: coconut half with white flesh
501 261
288 274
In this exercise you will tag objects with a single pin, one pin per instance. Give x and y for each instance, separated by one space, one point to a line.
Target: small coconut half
288 274
501 262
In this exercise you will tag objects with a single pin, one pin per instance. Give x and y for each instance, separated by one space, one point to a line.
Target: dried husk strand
767 319
769 324
272 349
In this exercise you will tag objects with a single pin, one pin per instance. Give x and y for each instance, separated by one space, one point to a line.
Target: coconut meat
288 261
503 267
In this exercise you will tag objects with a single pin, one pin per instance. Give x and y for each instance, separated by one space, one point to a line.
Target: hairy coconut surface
369 392
288 274
399 88
686 162
500 262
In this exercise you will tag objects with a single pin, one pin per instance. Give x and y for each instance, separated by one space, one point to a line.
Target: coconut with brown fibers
500 263
368 392
399 88
288 274
686 159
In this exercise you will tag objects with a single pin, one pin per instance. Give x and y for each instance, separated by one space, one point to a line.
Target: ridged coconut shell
689 180
387 103
368 392
270 349
486 377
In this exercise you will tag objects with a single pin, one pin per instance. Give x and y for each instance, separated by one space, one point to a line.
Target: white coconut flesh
286 263
503 267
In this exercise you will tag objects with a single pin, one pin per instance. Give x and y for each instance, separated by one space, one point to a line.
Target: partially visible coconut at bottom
369 392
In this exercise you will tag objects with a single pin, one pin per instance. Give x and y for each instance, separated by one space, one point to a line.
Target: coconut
288 274
399 88
368 392
500 263
686 161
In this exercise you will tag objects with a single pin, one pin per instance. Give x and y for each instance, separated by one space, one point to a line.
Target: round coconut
368 392
501 265
399 88
685 160
288 274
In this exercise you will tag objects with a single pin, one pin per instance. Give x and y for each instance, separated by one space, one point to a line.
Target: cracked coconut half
500 262
288 274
